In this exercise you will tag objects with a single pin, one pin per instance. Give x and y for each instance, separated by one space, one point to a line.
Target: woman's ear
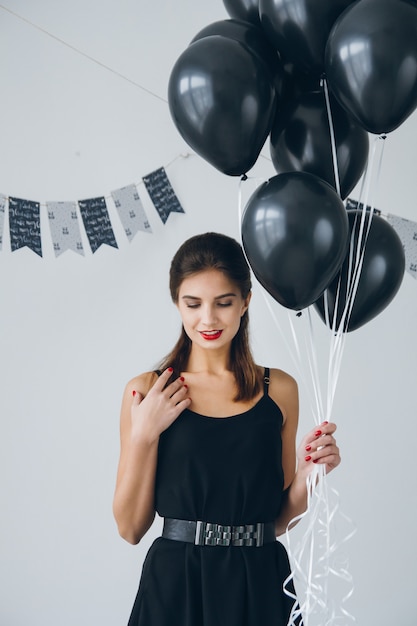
245 305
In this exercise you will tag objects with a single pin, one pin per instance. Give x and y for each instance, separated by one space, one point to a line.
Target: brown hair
219 252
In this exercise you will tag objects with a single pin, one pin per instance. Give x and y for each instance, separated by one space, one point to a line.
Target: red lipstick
210 335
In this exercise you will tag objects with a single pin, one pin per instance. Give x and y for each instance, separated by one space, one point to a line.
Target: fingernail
308 448
186 386
315 460
170 369
133 393
308 458
182 378
317 433
324 423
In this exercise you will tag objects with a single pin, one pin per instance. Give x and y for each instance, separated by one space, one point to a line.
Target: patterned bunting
131 211
407 232
65 229
162 194
24 224
97 223
2 212
354 205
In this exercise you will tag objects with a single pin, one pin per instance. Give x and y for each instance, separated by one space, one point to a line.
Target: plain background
75 329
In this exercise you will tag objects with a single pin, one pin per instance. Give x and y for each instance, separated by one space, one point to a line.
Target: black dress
227 471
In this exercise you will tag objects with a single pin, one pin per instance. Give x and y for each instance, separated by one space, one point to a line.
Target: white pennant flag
65 228
2 212
131 211
407 232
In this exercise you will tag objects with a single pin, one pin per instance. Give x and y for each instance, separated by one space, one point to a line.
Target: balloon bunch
315 76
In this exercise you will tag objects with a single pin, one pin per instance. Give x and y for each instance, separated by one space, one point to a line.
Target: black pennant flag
97 223
24 225
162 194
2 211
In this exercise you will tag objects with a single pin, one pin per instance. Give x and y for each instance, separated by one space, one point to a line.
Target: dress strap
266 380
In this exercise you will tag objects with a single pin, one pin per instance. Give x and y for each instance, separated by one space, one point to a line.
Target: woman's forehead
208 281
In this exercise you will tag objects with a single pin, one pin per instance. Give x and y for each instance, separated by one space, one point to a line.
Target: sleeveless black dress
228 471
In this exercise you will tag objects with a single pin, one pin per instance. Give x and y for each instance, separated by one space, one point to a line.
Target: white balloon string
332 136
316 558
360 232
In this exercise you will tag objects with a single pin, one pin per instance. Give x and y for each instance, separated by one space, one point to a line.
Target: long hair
216 251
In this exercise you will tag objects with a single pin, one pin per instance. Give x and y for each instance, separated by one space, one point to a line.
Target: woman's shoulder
281 378
283 389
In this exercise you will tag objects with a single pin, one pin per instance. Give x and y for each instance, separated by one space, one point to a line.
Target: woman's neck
213 361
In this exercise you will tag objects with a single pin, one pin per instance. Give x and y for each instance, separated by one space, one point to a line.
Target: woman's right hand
161 406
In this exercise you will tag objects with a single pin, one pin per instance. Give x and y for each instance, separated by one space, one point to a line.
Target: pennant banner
2 211
97 223
65 228
162 194
24 225
131 211
352 204
407 232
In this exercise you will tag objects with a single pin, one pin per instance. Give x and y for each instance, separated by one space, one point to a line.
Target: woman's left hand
319 447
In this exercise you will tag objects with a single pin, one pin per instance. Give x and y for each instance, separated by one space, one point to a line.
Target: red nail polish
308 458
315 461
133 393
170 369
317 433
182 378
186 386
308 448
324 423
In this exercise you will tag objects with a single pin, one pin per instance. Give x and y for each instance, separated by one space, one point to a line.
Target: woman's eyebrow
223 295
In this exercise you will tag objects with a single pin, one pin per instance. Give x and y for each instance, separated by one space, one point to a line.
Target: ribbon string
318 561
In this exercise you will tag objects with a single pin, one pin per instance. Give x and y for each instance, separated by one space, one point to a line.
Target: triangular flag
162 194
24 225
352 204
407 232
2 212
131 211
65 229
97 223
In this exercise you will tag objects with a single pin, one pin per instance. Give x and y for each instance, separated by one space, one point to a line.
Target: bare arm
144 416
318 446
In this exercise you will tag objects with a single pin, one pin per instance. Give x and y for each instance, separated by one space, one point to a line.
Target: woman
208 441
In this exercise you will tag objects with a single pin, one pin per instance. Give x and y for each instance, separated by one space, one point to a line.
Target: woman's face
211 307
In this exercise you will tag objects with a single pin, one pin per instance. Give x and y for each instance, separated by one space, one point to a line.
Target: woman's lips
210 335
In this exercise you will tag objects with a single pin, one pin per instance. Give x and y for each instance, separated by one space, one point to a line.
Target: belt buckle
209 534
249 535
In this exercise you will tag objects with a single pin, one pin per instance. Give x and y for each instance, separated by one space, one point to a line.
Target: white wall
75 329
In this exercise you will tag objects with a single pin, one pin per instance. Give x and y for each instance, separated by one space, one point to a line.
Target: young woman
208 441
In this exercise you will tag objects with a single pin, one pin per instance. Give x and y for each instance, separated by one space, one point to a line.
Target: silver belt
211 534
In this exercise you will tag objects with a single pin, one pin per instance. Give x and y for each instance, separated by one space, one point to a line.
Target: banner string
84 54
108 196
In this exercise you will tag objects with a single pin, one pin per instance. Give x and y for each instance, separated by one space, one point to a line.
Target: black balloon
299 28
247 10
222 101
371 62
297 82
379 278
300 141
254 38
295 233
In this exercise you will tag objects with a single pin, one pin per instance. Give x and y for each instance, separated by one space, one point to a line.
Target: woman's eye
223 304
192 306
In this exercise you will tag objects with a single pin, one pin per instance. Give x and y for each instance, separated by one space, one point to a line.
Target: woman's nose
209 315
